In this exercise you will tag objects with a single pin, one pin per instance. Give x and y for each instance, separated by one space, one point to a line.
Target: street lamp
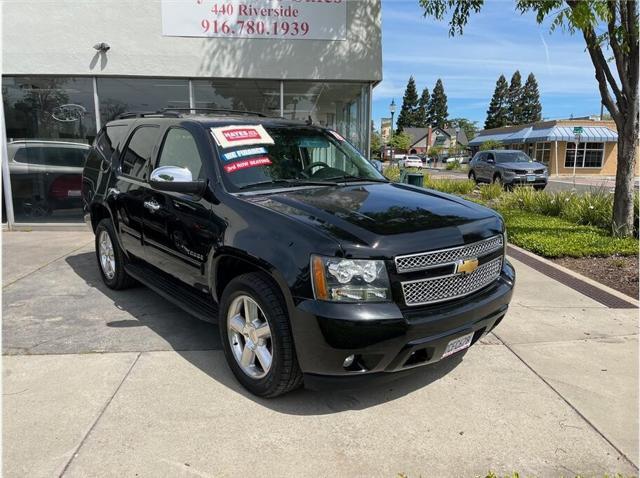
392 109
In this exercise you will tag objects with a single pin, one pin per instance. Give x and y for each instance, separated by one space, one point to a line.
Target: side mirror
491 161
377 164
176 179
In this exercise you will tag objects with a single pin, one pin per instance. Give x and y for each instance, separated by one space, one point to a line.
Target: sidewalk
104 383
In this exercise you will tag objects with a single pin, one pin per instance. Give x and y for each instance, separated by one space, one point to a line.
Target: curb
578 277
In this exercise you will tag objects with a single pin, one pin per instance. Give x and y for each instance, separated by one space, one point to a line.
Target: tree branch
618 54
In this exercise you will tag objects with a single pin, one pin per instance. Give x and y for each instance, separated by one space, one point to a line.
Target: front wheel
539 188
256 336
472 176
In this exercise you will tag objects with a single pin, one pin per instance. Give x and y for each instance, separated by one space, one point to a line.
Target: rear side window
180 149
52 156
138 152
109 138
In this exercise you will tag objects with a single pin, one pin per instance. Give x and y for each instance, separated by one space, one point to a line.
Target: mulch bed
619 273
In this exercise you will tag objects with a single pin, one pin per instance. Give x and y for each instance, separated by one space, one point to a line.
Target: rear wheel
111 259
256 336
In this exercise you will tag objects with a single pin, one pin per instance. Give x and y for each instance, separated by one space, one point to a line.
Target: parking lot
105 383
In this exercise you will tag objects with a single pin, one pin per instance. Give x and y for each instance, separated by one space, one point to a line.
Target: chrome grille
439 289
427 260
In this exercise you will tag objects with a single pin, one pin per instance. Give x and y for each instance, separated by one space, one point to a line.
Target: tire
497 179
472 176
283 374
114 276
539 188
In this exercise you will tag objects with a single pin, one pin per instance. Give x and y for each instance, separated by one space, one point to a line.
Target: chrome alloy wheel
107 258
250 337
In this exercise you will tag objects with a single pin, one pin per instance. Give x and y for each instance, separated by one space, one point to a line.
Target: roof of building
561 130
419 135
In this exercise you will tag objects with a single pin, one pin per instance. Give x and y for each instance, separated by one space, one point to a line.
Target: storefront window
587 155
260 96
50 122
543 152
339 106
119 95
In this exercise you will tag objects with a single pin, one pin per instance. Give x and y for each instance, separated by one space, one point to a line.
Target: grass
451 186
559 237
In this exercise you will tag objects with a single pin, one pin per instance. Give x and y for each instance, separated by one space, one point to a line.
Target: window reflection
50 122
260 96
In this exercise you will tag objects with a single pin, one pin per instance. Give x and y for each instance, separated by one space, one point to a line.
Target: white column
556 157
192 100
282 98
96 104
6 180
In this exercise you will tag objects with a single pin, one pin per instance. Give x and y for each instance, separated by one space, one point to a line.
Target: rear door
132 185
177 227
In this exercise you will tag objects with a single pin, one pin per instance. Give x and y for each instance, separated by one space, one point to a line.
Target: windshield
512 157
278 157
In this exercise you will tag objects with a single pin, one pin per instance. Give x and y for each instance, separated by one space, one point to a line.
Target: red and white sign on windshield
240 135
288 19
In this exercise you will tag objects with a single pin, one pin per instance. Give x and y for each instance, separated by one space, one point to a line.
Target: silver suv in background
508 167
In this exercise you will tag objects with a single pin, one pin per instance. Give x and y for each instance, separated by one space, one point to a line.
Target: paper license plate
456 345
531 178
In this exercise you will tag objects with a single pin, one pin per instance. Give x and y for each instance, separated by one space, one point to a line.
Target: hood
523 166
384 220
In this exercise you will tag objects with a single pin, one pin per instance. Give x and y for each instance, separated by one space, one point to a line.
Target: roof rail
218 111
145 114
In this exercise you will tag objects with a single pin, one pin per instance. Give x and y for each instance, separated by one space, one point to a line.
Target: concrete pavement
104 383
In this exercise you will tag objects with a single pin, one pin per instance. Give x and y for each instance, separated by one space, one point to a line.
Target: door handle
152 205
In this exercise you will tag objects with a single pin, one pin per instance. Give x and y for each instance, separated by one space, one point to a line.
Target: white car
412 162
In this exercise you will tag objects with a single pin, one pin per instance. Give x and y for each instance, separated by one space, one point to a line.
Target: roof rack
219 111
177 113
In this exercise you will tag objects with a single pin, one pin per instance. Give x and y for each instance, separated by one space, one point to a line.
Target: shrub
592 209
451 186
452 165
392 173
489 192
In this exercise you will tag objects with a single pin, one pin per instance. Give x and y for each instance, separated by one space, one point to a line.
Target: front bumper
386 340
522 180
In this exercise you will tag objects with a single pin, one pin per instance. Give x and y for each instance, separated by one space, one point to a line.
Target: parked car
459 159
509 168
412 162
46 175
316 268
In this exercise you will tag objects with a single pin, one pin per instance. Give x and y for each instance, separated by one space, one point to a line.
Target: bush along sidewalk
551 224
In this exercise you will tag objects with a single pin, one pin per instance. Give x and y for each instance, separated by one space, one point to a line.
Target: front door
176 230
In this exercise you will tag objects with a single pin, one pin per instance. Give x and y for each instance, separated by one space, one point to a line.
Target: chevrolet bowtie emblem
467 266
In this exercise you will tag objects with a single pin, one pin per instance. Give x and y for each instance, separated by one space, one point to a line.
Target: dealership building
71 66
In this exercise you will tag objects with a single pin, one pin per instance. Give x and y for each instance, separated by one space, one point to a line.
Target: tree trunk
625 176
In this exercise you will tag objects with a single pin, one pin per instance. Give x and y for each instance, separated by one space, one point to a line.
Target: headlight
349 280
509 172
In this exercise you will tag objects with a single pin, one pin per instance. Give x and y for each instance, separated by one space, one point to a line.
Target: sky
499 40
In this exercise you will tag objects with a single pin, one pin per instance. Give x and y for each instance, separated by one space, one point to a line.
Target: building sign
385 129
278 19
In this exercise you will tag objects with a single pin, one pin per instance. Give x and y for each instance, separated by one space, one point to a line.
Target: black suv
316 268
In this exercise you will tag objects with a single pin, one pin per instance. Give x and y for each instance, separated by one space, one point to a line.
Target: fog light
348 361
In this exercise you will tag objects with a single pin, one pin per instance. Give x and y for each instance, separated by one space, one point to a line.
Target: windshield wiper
292 182
348 177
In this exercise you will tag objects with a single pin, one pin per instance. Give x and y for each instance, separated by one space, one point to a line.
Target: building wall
57 38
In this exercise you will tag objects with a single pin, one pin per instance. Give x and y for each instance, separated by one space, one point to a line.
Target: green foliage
407 116
515 99
452 165
531 109
491 144
470 127
489 192
558 237
451 186
376 143
400 141
498 112
392 173
421 112
437 111
434 151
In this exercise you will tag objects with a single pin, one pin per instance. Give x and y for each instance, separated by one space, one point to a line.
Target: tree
490 144
437 112
407 116
514 99
531 108
606 27
421 112
498 112
469 127
400 141
376 144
